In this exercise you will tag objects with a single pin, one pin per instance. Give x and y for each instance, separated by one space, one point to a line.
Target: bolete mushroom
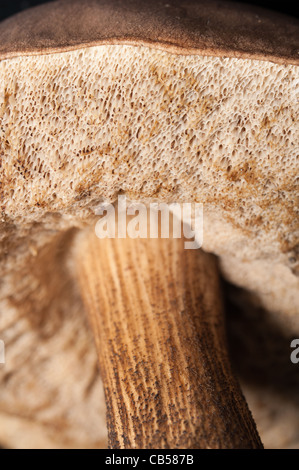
185 101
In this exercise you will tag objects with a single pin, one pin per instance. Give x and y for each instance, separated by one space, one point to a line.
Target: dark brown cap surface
185 26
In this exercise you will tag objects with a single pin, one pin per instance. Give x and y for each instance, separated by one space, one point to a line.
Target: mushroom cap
189 101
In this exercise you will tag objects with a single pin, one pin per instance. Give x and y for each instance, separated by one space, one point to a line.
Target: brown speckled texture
161 344
206 27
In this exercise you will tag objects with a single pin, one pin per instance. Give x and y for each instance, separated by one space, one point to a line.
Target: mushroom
170 102
159 330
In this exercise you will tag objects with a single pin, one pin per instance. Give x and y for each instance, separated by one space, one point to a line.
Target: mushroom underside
167 128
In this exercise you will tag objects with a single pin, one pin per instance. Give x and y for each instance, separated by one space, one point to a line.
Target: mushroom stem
155 310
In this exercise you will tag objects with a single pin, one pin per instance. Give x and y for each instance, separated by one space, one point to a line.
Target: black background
290 7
